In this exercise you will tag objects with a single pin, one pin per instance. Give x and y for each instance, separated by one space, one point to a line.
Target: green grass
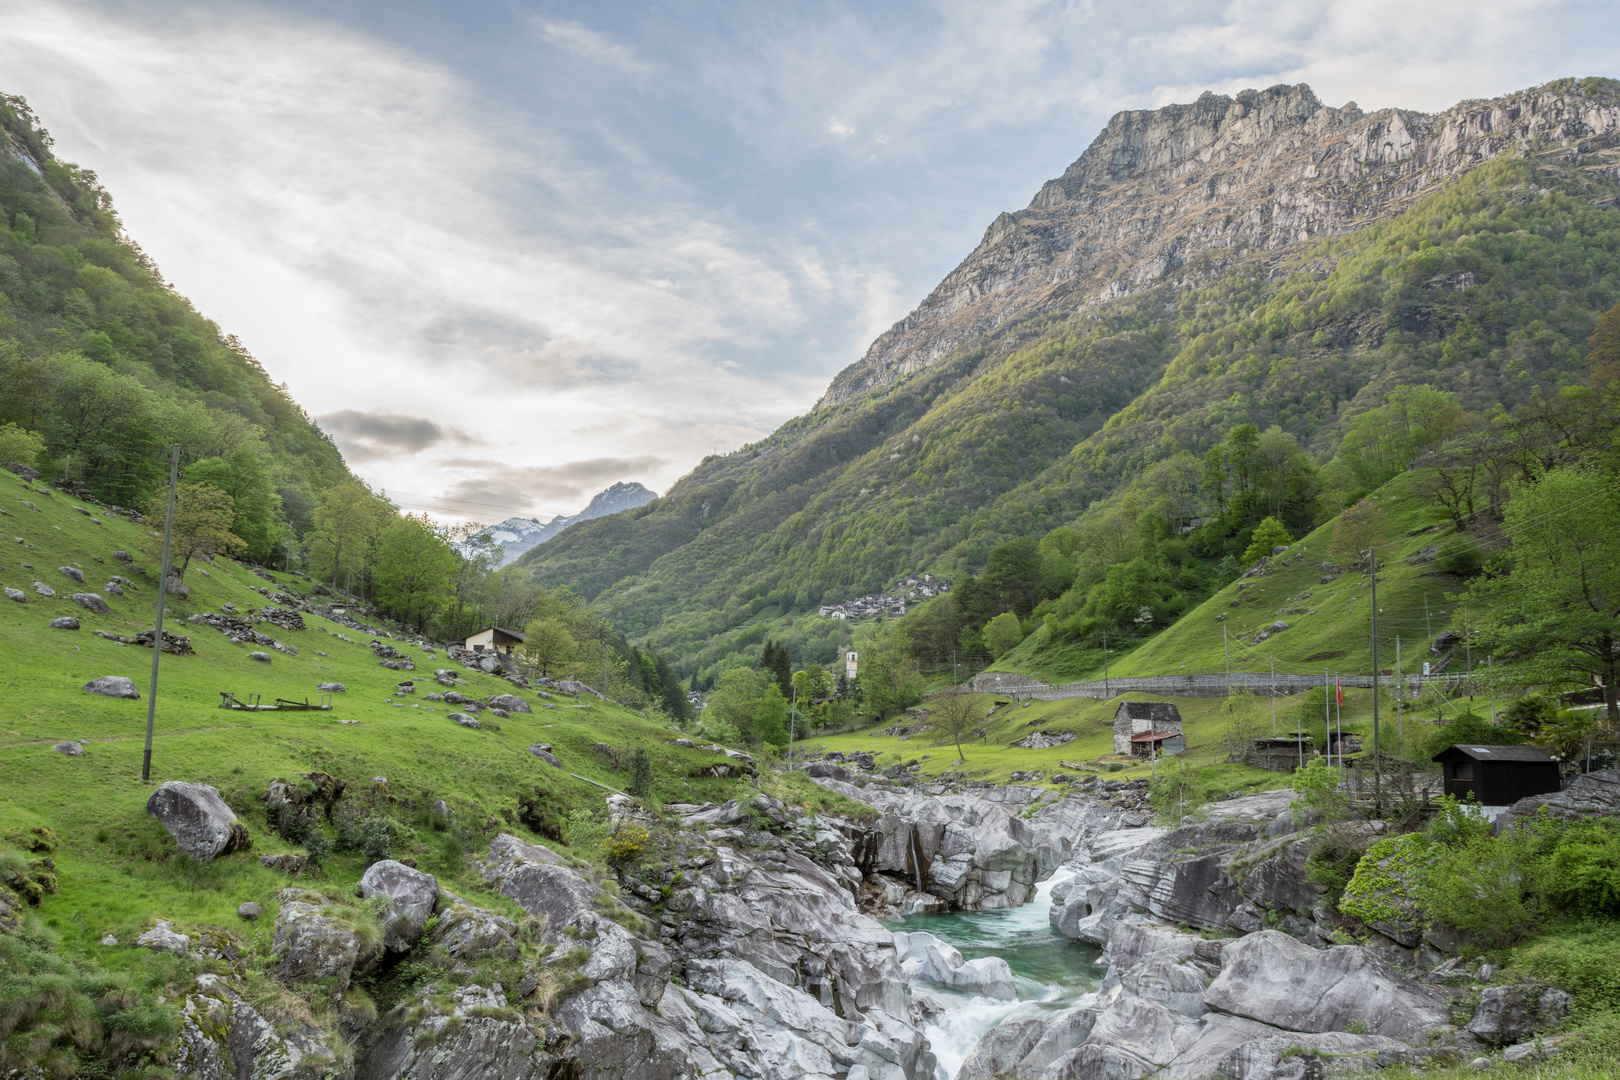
116 865
1336 635
995 758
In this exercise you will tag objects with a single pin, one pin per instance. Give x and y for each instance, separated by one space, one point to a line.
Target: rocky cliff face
1161 189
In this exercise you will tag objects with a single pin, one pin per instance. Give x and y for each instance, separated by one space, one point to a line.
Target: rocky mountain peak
517 535
1261 170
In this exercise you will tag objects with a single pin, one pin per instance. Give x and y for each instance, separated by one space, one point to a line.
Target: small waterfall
1051 971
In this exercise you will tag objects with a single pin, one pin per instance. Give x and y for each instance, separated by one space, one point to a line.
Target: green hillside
106 366
114 865
1486 291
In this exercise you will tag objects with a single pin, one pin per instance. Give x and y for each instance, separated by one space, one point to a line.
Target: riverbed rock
1270 977
412 896
112 686
198 819
923 956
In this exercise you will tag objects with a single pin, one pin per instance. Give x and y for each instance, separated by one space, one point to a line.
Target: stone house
1148 729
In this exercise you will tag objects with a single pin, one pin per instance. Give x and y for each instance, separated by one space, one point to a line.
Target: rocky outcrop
977 852
222 1037
412 896
315 941
198 819
1593 794
924 957
1160 189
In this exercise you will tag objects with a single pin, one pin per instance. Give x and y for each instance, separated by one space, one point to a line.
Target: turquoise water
1051 972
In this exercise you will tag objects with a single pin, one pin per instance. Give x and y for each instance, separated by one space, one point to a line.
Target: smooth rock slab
412 897
1270 977
66 622
112 686
198 819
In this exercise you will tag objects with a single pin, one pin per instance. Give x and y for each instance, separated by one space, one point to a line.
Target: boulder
16 594
1511 1014
223 1037
1001 1049
1593 794
1270 977
292 865
72 572
510 702
44 589
923 956
313 942
543 752
198 819
112 686
93 602
114 588
331 688
467 932
249 911
261 657
69 749
163 937
175 587
412 896
66 622
464 720
528 874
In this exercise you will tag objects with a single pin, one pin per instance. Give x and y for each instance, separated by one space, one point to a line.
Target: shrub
1385 882
641 774
1487 888
1582 874
535 812
627 843
375 834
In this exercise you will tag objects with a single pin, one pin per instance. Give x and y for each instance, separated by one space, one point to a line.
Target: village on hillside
883 605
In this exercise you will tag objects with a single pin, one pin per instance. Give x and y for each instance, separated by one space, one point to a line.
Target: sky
509 253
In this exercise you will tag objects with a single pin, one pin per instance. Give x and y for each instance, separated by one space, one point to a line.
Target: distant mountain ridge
517 535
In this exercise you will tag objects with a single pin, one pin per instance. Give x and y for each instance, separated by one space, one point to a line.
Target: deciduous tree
202 525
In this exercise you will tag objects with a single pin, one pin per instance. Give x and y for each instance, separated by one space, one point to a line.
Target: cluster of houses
883 605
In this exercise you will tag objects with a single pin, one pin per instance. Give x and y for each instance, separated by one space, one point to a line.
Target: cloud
534 490
365 436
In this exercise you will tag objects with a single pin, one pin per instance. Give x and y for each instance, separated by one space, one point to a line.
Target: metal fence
1211 685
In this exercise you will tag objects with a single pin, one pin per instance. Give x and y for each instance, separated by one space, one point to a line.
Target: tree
547 647
956 715
1359 527
1242 716
774 659
1002 634
202 525
641 773
1558 611
415 571
768 725
19 446
1268 535
258 508
346 521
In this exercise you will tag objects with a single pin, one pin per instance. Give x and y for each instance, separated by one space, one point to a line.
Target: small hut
1498 775
1283 753
494 639
1158 721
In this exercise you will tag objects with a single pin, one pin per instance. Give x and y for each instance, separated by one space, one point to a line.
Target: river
1051 971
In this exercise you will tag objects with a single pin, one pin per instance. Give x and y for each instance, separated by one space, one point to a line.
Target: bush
1489 889
628 842
1471 728
641 774
1582 958
534 811
1582 874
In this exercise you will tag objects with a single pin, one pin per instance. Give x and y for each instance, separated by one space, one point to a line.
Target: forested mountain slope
107 365
1470 254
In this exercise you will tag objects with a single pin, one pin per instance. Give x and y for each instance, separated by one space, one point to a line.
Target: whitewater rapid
1051 972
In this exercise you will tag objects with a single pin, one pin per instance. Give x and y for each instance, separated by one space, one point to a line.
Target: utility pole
1378 790
157 638
1490 678
1468 651
1273 695
1338 716
1227 653
1399 733
1327 715
1428 628
793 714
1106 693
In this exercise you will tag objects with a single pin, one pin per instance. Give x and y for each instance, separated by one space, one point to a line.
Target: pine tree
641 774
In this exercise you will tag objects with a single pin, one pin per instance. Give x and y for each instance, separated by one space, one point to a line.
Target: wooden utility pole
157 638
1399 687
1378 790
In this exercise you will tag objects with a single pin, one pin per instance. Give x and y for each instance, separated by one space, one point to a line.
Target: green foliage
414 570
1317 790
1581 957
1268 535
1385 880
1002 633
641 773
69 1018
1471 728
19 446
627 843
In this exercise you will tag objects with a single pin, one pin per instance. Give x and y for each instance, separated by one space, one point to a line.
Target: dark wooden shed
1498 775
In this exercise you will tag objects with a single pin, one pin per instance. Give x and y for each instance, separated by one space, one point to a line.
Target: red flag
1338 690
